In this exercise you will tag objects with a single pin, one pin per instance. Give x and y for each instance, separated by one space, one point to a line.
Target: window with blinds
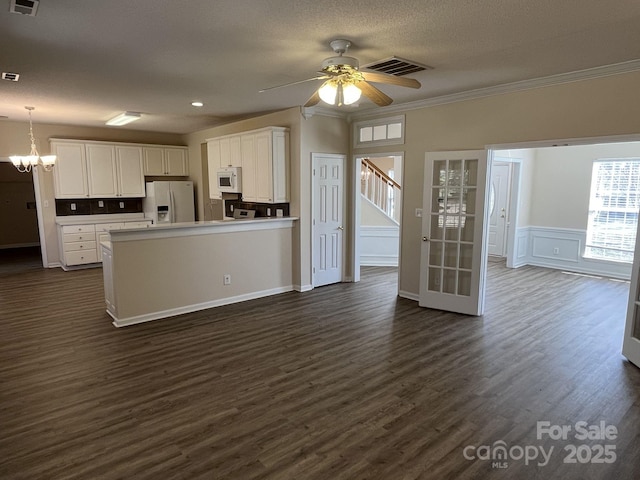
613 209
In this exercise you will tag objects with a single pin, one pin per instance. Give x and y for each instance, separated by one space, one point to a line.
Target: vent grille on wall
24 7
396 66
12 77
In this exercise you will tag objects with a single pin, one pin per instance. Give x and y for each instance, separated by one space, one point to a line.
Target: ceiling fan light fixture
350 93
328 92
337 92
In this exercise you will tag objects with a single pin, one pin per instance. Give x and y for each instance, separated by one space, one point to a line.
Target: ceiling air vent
396 66
12 77
24 7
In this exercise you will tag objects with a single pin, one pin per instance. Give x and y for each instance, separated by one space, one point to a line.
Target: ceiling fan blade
315 98
391 79
323 77
373 94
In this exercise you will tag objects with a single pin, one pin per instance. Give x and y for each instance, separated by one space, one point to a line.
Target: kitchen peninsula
167 270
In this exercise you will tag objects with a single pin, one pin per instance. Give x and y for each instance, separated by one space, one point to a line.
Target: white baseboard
409 295
172 312
302 288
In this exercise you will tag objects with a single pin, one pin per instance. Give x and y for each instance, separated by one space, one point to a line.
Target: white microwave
230 179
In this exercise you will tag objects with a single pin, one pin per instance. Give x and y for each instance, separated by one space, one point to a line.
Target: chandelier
24 163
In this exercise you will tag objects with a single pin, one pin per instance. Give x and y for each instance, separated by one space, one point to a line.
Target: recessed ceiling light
197 104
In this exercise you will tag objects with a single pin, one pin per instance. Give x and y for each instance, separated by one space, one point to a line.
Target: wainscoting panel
379 246
562 249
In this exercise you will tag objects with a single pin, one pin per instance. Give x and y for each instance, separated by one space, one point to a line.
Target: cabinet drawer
74 246
104 227
78 228
78 237
81 257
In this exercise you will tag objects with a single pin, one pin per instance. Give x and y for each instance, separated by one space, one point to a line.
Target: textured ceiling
82 62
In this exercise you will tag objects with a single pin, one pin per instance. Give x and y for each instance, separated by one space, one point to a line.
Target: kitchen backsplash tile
262 209
97 206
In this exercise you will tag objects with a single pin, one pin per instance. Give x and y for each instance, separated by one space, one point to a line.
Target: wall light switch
46 204
418 212
268 212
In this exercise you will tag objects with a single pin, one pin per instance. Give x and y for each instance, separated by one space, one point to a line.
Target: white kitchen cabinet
114 171
97 170
268 161
230 151
222 152
70 171
77 245
166 161
249 167
101 170
264 157
130 175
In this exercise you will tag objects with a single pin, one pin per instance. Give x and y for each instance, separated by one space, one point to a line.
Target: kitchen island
167 270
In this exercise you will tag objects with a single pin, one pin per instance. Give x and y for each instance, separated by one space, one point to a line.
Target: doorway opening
547 204
378 206
19 238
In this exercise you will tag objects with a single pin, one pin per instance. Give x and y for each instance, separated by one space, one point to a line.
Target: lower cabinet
80 244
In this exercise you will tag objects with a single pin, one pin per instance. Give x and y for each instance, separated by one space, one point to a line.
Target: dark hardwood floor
343 382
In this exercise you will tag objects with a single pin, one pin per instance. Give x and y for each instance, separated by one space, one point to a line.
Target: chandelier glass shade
339 92
25 163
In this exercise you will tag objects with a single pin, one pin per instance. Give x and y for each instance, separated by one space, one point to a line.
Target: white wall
562 182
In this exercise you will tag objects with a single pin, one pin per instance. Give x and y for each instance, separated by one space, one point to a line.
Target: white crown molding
308 112
579 75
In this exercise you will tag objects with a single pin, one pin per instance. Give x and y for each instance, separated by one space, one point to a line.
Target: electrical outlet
121 204
73 207
556 251
418 212
100 204
226 279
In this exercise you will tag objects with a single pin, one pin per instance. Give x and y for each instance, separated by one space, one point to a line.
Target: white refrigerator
169 202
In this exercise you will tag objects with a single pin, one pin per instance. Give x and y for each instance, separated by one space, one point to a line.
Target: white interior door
453 254
498 207
631 341
328 218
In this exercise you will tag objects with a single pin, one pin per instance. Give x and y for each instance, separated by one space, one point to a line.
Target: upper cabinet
264 157
70 171
105 169
166 161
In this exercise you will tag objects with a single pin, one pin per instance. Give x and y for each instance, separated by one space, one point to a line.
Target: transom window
382 131
613 209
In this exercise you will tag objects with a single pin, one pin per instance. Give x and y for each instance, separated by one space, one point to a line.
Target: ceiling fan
345 83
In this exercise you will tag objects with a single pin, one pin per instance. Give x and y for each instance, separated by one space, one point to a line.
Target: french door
453 254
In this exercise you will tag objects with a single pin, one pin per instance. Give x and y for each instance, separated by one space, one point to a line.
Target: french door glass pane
452 225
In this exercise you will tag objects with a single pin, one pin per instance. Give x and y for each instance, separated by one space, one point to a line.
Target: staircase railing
380 189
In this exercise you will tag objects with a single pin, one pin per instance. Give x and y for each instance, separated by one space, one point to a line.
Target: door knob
425 239
340 227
